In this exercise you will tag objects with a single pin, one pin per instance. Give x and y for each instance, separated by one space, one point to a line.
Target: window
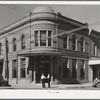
74 70
65 69
82 44
7 46
73 42
49 39
36 38
23 68
14 69
94 49
6 74
64 41
41 38
82 69
14 44
23 42
0 48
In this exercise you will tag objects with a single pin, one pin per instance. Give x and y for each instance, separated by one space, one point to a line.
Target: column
3 73
18 69
10 70
51 69
34 71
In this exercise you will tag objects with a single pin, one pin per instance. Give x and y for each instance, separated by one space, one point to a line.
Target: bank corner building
47 42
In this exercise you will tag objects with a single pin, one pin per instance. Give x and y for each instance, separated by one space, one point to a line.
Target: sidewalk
53 86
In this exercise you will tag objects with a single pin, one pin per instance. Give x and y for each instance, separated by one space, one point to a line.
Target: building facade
47 42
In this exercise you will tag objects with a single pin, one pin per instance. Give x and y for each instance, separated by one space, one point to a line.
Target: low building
47 42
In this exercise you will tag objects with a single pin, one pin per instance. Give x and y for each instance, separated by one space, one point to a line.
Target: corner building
36 45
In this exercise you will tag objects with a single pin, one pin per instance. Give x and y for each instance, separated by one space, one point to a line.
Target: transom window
43 38
14 44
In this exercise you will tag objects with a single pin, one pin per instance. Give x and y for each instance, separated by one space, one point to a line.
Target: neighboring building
34 48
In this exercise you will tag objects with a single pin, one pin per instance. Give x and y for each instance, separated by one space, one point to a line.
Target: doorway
1 67
43 67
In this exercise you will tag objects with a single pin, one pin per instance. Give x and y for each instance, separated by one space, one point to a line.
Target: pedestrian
48 80
43 80
96 82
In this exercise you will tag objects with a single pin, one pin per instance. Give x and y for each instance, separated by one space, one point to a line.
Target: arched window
0 48
65 41
73 42
14 44
82 44
23 41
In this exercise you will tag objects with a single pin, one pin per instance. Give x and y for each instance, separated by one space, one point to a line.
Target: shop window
14 44
82 44
74 42
0 48
6 74
23 41
74 70
65 41
14 68
82 69
23 68
42 38
65 69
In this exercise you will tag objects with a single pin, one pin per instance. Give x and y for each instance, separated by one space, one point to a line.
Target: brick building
33 48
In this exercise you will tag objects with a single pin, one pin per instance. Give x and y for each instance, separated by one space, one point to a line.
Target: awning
94 62
40 53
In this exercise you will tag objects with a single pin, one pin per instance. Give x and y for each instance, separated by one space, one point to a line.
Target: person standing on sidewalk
43 80
48 80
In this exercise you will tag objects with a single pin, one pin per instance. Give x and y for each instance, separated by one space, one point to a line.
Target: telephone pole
6 42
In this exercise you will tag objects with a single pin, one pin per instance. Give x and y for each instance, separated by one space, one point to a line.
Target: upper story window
0 48
65 41
94 49
23 41
82 44
74 47
14 44
43 38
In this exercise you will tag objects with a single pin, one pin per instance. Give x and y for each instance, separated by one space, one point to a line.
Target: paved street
53 87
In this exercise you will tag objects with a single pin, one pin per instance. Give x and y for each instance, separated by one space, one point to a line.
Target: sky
83 13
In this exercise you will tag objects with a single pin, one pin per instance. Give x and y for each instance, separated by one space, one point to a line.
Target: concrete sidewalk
53 86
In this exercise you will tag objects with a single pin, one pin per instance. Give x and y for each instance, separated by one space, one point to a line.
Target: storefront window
74 70
65 69
82 69
23 68
14 69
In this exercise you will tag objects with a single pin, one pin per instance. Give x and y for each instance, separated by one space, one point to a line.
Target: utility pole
6 42
30 30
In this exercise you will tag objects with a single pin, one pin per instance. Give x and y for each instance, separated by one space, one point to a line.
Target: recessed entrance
43 67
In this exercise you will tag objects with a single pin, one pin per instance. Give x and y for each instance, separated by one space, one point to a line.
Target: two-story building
46 42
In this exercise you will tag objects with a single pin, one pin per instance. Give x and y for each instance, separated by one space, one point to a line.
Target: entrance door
95 72
43 67
1 67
